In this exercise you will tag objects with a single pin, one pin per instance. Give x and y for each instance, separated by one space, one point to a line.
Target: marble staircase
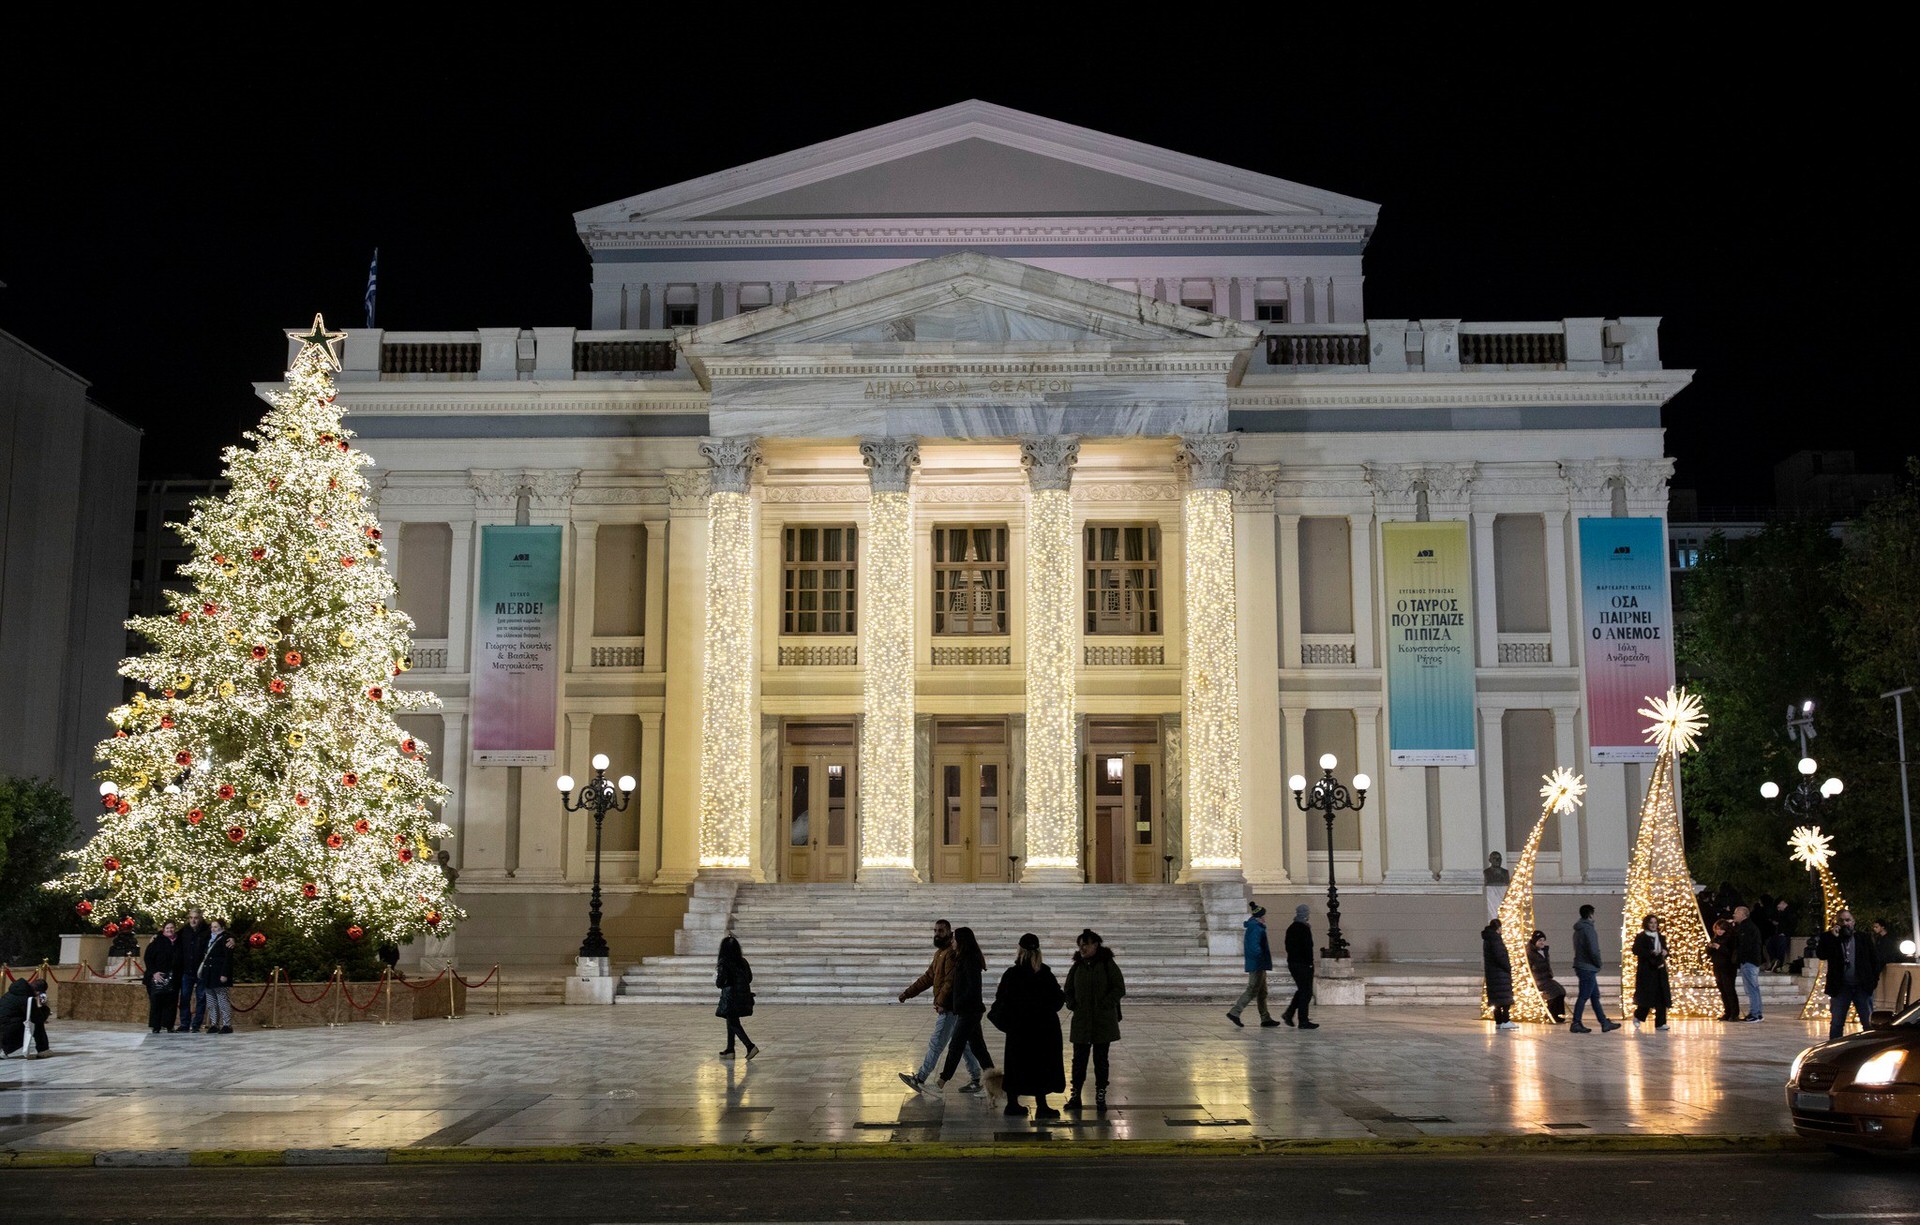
864 943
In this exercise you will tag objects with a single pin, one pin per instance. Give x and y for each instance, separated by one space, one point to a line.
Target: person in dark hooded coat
1497 966
1027 1009
1094 989
163 988
24 1008
1652 989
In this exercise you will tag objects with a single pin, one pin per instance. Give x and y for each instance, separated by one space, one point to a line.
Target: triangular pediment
970 299
975 159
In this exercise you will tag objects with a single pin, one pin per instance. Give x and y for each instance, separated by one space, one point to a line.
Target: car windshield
1910 1017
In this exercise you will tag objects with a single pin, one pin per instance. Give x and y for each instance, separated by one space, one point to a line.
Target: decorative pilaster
1214 811
730 734
1052 617
886 654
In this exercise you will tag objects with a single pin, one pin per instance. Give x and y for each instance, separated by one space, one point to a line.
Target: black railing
1337 349
413 357
610 356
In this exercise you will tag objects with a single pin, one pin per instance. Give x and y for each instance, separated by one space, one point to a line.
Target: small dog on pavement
996 1082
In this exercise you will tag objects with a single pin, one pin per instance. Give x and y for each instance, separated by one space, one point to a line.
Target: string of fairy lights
886 730
1658 879
1560 794
1814 849
1053 818
1212 719
730 742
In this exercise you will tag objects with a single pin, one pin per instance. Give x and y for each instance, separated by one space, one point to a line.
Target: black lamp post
597 797
1331 797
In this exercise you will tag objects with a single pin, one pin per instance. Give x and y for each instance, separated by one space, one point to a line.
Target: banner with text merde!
516 636
1430 682
1629 635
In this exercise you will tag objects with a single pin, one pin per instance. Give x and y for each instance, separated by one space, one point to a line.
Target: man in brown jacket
939 976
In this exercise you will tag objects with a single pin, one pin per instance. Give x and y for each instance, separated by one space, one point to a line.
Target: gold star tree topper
1562 790
320 338
1678 720
1811 847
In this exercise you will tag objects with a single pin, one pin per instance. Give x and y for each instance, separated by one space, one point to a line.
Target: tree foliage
36 825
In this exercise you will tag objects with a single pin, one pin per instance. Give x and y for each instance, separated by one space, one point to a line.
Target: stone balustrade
1392 346
505 354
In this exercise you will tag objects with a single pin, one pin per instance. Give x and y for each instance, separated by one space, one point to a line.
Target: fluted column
729 727
886 658
1212 681
1052 610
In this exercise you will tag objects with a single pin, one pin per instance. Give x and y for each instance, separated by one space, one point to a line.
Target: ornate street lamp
598 798
1331 797
1805 798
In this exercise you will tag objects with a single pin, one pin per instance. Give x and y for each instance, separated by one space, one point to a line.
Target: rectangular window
818 567
970 580
754 297
1521 590
1197 304
682 307
1123 578
1270 311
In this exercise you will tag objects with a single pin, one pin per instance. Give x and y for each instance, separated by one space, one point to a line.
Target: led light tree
1815 849
1560 792
261 772
1658 880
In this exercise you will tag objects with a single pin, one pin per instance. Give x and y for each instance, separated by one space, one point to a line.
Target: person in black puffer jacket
163 987
216 976
1497 966
189 950
734 977
23 1010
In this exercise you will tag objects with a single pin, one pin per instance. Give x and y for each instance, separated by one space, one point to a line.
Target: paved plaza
648 1075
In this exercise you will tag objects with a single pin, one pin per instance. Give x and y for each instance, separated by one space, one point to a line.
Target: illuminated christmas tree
1658 880
1815 849
1560 793
260 772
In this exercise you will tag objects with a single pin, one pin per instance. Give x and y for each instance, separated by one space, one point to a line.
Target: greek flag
373 282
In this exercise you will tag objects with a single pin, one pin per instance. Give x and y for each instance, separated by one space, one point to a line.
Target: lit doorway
970 817
819 832
1125 829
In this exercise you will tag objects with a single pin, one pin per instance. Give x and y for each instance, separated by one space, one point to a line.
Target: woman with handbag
163 992
734 977
1026 1008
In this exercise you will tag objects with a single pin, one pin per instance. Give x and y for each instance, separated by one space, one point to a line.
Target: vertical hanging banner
1430 683
516 638
1629 632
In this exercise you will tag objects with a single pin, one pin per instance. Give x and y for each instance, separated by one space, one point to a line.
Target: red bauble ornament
219 559
310 890
326 438
236 833
433 918
376 693
226 791
108 802
185 616
300 798
166 721
183 758
258 652
346 561
276 685
293 659
273 484
355 932
195 817
121 734
257 554
360 826
85 908
350 778
111 929
247 884
257 939
335 841
113 865
343 444
406 856
373 533
126 922
122 807
409 746
209 610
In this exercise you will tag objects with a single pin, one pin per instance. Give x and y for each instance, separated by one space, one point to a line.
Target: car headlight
1881 1069
1793 1074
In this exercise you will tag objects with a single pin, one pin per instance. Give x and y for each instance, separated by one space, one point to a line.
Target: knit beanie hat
1300 913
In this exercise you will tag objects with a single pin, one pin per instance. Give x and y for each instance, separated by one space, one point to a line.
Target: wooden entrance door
970 815
817 814
1124 822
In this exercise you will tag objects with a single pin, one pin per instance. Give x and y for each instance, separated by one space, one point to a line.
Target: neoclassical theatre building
982 499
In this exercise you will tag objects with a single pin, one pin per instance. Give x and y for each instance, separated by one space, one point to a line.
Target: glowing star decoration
1815 850
1658 879
325 346
886 655
1678 720
1560 795
290 720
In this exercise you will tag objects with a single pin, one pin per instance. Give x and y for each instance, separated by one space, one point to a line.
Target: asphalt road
1092 1190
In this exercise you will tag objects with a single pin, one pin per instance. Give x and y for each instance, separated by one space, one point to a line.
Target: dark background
170 201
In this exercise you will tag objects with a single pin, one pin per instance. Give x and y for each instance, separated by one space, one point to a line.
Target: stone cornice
1465 389
707 235
545 488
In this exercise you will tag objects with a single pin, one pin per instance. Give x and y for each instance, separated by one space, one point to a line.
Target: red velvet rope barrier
324 992
423 986
476 986
357 1006
257 1000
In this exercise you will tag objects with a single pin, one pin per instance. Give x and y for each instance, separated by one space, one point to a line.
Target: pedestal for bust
592 981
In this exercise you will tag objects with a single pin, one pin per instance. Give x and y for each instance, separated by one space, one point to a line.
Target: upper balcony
508 354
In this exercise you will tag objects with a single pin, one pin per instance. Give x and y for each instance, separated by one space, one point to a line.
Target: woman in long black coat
1027 1009
734 977
163 989
1652 990
1498 968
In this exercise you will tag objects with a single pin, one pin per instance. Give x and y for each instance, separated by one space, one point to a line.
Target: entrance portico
1065 445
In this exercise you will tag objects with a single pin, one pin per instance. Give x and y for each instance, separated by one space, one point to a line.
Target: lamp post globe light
598 797
1803 799
1329 798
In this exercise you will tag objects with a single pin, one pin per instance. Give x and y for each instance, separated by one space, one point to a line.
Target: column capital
1049 459
733 460
1206 459
890 462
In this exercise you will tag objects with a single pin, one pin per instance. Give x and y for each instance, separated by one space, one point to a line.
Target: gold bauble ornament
313 557
346 638
183 681
255 802
233 636
226 689
296 739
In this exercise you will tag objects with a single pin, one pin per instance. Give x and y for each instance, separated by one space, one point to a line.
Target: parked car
1862 1092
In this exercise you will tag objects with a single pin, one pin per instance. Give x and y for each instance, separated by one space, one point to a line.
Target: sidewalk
647 1075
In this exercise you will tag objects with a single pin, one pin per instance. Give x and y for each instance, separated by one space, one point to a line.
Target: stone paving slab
827 1075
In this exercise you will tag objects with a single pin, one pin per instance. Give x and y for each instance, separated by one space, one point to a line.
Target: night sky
157 239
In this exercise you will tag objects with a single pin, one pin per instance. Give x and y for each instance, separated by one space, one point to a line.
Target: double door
970 841
1124 821
821 841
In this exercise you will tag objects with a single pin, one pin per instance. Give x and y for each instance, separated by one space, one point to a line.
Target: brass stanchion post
452 1007
496 990
386 977
340 989
273 999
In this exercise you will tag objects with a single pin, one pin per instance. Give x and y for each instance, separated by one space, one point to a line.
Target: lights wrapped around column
1658 879
886 654
728 726
1053 806
1212 682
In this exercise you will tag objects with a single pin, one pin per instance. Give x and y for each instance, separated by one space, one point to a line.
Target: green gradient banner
1429 633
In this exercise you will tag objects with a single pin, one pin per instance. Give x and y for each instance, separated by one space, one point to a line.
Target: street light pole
1906 808
598 798
1805 799
1329 798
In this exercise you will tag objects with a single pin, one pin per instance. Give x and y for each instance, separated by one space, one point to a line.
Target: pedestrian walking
189 950
23 1018
216 978
1540 965
1298 943
967 1004
1853 970
163 989
1094 989
1886 945
734 977
1497 969
1652 989
1257 955
1723 954
1749 951
938 978
1026 1007
1586 971
1779 944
